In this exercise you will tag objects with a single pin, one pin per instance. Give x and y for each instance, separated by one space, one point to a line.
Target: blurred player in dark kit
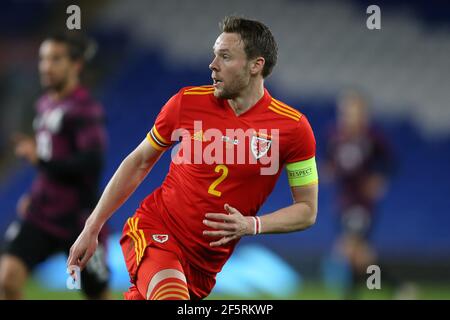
67 150
359 161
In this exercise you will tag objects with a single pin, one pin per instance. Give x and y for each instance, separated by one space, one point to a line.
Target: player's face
55 65
352 114
230 66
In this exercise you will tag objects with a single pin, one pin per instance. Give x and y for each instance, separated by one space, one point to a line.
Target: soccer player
67 151
185 230
359 161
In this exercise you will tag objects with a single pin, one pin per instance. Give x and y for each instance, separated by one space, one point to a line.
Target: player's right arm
124 182
127 178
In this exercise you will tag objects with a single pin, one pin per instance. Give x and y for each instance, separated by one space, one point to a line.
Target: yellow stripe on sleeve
294 114
200 88
284 114
281 104
198 92
153 143
155 131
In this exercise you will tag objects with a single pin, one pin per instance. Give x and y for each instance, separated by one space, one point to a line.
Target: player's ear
257 65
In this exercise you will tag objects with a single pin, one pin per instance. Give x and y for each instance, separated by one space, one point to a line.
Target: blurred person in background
67 150
359 161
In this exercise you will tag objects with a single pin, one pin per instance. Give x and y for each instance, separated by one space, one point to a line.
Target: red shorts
148 247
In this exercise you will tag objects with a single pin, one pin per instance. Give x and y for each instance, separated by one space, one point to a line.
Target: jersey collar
262 104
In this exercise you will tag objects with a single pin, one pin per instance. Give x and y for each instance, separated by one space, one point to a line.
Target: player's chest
53 140
245 145
50 119
353 155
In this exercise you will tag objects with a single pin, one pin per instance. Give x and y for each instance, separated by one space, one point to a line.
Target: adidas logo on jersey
198 136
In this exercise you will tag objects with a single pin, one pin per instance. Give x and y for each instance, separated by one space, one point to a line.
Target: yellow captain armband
302 173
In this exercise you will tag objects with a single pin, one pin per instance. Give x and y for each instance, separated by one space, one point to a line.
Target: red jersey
190 190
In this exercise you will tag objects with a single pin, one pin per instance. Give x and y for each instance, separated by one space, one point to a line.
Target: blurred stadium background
147 50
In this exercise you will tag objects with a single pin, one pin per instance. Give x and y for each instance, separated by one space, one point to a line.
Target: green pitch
310 291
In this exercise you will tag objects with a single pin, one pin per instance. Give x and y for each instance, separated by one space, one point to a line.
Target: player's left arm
303 179
296 217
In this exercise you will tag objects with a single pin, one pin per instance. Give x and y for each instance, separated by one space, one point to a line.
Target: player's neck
68 89
248 97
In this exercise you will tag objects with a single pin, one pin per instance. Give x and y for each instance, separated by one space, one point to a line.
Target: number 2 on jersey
212 188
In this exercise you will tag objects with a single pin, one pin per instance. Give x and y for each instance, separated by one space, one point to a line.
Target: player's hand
83 248
233 225
25 147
